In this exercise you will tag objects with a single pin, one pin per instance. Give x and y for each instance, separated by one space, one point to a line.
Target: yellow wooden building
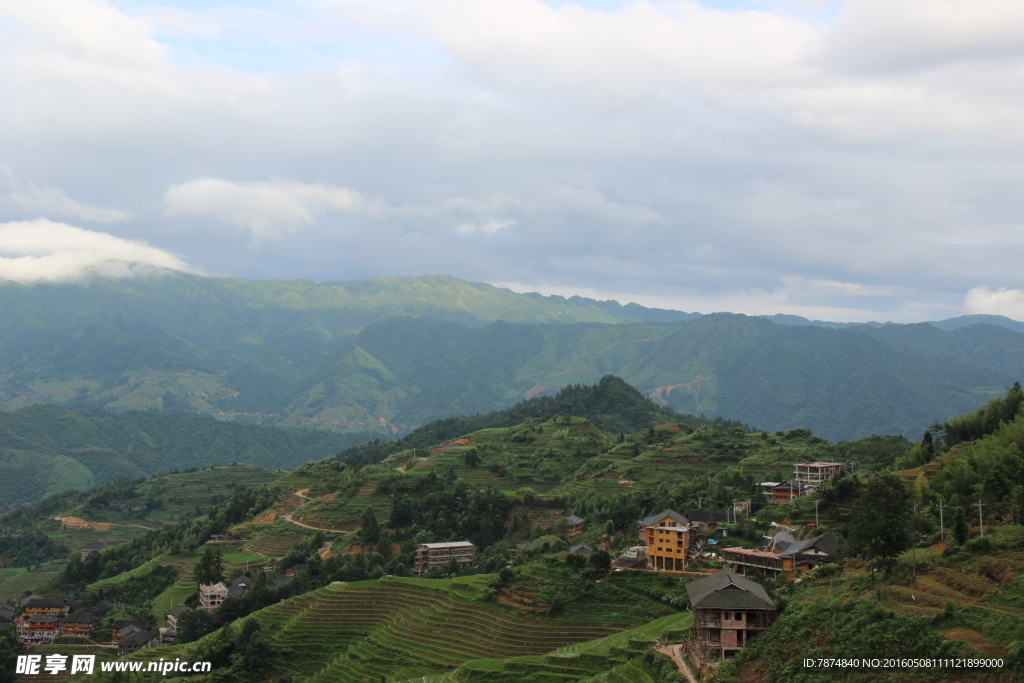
668 535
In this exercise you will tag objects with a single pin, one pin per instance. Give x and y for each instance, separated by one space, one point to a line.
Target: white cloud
268 208
488 227
1002 301
44 251
89 30
658 146
645 44
52 201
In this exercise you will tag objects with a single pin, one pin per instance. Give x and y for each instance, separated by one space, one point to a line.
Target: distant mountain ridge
393 353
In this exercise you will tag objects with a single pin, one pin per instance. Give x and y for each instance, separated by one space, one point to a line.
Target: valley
331 545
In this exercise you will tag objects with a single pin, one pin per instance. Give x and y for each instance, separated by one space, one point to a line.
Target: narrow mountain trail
673 652
289 518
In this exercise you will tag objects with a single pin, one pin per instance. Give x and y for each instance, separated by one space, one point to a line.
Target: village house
430 555
79 624
783 554
41 628
707 520
8 610
239 586
295 570
211 596
134 639
575 525
37 606
101 608
123 627
815 474
172 617
786 492
729 611
582 549
668 535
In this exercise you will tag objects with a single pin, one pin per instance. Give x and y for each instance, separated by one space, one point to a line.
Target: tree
369 528
210 569
194 625
601 560
959 525
880 527
10 647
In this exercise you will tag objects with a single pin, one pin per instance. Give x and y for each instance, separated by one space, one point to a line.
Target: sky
848 161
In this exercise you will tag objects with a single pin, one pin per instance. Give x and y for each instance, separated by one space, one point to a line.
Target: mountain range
387 355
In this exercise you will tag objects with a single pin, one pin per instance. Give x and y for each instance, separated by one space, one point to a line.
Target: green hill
388 355
46 449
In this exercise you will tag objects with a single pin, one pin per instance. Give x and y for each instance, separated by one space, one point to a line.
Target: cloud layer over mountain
849 160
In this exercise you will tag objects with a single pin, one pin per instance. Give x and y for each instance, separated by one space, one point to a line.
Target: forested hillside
46 449
390 355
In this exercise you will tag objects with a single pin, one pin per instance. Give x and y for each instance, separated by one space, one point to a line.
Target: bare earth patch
975 639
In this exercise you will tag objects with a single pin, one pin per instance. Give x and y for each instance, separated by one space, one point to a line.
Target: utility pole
942 528
981 520
913 546
816 512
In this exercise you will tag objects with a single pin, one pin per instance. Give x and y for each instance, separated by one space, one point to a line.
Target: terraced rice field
612 658
405 630
14 582
273 545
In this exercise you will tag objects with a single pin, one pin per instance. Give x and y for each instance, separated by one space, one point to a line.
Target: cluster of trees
449 509
172 538
141 589
29 550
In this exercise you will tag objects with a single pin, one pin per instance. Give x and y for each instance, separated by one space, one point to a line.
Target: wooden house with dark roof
79 624
729 611
238 586
8 610
575 525
37 606
135 639
783 554
706 520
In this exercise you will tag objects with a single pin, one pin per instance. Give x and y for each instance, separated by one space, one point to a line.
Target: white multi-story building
816 473
210 597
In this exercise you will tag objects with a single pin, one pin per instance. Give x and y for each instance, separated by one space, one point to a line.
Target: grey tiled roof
725 590
661 515
826 543
707 516
574 520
